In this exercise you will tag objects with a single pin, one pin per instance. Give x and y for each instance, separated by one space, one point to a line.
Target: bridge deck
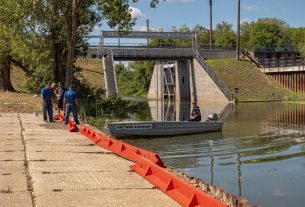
150 53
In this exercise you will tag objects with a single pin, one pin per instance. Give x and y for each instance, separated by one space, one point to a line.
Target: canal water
259 155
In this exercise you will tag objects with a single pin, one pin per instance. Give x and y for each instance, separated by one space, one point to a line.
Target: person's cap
72 85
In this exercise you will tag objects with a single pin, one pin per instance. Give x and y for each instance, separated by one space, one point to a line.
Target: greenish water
260 155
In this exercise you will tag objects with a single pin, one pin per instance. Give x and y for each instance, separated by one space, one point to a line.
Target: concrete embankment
46 165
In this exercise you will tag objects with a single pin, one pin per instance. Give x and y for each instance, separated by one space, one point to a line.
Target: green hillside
252 84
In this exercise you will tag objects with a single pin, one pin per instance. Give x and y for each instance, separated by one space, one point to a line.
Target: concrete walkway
46 165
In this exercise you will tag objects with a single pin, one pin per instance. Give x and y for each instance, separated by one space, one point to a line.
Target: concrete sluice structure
184 80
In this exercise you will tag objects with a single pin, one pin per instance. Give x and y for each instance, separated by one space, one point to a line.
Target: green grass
92 71
252 84
18 79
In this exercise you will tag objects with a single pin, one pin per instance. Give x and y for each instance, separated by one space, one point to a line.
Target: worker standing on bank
70 104
196 115
59 92
47 103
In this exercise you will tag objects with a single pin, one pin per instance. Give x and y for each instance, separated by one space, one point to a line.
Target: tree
14 27
134 80
269 33
48 15
224 34
245 30
297 36
203 34
117 14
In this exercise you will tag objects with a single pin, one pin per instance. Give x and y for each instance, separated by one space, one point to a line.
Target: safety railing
281 62
216 47
214 77
145 35
152 53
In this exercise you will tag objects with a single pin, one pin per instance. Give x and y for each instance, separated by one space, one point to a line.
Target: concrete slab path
43 164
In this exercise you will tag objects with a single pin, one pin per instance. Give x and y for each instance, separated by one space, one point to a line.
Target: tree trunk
71 42
56 46
56 57
5 68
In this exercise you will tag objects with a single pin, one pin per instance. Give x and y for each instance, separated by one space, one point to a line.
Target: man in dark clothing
59 92
70 104
47 103
196 115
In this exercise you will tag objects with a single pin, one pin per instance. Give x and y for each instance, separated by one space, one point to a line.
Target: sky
192 12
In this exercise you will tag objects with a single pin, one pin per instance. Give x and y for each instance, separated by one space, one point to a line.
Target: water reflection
259 155
169 110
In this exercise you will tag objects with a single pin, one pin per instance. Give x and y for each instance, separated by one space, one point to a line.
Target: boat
155 128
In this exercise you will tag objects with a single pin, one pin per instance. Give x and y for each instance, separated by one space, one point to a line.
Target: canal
259 155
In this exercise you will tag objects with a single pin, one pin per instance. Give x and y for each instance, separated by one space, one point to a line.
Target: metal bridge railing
214 77
145 35
152 53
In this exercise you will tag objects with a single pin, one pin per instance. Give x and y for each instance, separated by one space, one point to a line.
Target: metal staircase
110 77
213 76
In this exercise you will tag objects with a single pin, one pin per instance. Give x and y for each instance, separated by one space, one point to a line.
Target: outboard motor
212 117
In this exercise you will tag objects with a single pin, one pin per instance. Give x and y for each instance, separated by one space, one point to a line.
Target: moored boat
154 128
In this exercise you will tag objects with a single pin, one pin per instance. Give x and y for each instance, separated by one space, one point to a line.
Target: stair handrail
214 77
253 59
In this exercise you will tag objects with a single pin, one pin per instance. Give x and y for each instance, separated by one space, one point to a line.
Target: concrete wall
182 80
300 68
156 84
203 87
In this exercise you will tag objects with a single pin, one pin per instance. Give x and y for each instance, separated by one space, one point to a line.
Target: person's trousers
47 107
69 108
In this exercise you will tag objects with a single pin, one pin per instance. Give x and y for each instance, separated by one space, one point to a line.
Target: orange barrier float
150 166
72 126
173 186
59 117
123 149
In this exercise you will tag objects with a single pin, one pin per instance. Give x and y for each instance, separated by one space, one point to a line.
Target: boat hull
143 129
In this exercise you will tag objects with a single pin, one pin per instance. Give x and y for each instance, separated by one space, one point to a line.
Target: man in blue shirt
47 102
70 104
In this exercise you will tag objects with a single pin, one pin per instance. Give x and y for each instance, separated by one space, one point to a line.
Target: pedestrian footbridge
180 71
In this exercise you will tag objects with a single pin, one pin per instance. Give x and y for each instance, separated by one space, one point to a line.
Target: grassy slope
253 85
24 102
92 71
